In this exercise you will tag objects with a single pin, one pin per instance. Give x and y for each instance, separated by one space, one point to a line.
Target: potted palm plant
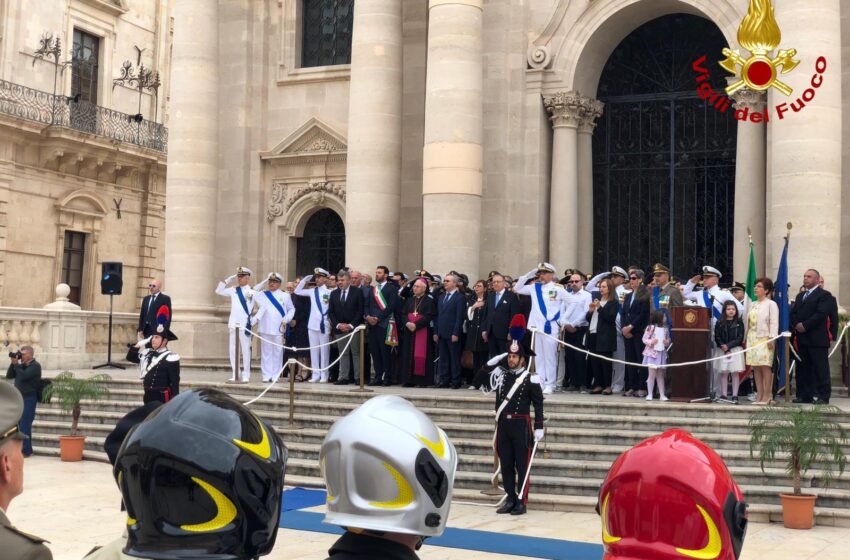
808 436
70 391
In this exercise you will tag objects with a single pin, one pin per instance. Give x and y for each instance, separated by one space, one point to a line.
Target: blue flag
780 296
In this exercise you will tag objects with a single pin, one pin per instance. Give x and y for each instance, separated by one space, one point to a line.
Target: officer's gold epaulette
29 537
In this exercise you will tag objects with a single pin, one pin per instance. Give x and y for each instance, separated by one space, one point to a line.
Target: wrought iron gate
664 161
323 244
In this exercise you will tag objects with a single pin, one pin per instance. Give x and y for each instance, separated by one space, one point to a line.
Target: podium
691 342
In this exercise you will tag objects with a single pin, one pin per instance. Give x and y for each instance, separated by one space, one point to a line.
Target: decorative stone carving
539 57
569 108
284 196
753 100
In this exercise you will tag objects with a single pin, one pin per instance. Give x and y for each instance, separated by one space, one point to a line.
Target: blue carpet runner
466 539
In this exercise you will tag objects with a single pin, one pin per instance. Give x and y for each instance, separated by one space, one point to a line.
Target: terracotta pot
71 447
798 512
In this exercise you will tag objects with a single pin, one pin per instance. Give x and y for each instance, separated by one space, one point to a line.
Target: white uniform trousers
244 349
319 357
618 377
271 356
546 360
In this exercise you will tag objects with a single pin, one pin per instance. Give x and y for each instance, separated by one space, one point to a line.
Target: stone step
750 475
450 399
563 485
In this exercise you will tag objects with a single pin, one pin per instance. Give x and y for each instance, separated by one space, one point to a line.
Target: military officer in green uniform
14 543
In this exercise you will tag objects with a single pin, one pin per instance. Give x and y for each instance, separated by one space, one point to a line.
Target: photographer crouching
27 375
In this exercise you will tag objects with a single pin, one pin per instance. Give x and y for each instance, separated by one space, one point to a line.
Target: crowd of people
607 334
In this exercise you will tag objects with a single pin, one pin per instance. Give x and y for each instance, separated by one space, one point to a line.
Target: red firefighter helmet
671 497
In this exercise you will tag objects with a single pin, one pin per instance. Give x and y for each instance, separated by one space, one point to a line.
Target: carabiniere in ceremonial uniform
515 433
159 366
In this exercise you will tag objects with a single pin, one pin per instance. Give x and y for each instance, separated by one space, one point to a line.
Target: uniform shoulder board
27 536
535 379
171 357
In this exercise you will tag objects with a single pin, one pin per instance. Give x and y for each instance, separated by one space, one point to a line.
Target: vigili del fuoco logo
758 33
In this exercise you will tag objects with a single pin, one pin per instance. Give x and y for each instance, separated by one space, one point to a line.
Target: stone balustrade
63 336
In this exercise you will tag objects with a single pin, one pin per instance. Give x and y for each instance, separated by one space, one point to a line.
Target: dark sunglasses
633 277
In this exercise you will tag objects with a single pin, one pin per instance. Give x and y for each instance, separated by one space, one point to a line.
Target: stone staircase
584 435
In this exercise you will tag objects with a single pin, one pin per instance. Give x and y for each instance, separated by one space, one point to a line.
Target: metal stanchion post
787 346
291 393
362 388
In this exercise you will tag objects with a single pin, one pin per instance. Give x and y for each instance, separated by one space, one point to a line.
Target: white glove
531 274
230 279
496 359
538 434
307 278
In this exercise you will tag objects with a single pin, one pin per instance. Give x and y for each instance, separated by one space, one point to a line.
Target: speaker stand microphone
109 343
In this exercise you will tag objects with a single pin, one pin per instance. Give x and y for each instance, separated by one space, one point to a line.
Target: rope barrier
785 334
838 340
358 328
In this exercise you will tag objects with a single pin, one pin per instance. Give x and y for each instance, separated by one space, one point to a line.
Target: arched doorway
663 160
323 243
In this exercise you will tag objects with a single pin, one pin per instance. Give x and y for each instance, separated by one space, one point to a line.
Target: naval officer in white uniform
275 312
318 326
241 305
548 301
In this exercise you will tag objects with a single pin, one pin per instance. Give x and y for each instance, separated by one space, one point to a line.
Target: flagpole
787 340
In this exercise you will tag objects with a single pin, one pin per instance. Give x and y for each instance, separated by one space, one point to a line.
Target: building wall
54 179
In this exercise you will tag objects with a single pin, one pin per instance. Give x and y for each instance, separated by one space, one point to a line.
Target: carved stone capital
571 109
752 100
565 108
593 110
284 196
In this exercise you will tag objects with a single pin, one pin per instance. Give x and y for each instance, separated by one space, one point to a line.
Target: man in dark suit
634 316
379 307
501 305
809 317
451 309
345 311
150 305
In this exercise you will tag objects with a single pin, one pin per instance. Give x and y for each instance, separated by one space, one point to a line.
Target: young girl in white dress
656 339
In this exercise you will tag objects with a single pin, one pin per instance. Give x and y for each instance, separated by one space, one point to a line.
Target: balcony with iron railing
66 112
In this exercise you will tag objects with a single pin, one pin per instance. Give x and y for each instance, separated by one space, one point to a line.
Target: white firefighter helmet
389 468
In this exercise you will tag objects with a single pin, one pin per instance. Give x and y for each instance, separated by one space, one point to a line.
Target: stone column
593 110
6 176
750 187
452 157
192 179
566 109
373 182
805 150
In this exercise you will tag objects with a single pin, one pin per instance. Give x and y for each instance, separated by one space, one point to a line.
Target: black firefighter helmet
201 478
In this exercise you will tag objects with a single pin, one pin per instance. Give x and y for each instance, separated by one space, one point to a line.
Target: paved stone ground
76 506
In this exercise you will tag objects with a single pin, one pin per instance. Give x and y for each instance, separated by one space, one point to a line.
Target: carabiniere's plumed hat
516 332
163 321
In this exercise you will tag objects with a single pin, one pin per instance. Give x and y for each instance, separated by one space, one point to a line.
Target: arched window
326 32
663 160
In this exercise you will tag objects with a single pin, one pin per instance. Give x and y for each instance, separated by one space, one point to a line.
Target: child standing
656 340
729 336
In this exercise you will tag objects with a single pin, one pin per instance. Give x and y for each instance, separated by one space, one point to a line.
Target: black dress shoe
519 509
407 384
821 401
374 383
387 384
456 386
443 386
798 400
507 508
342 382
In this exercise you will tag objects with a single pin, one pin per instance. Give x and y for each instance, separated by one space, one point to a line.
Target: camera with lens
16 355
